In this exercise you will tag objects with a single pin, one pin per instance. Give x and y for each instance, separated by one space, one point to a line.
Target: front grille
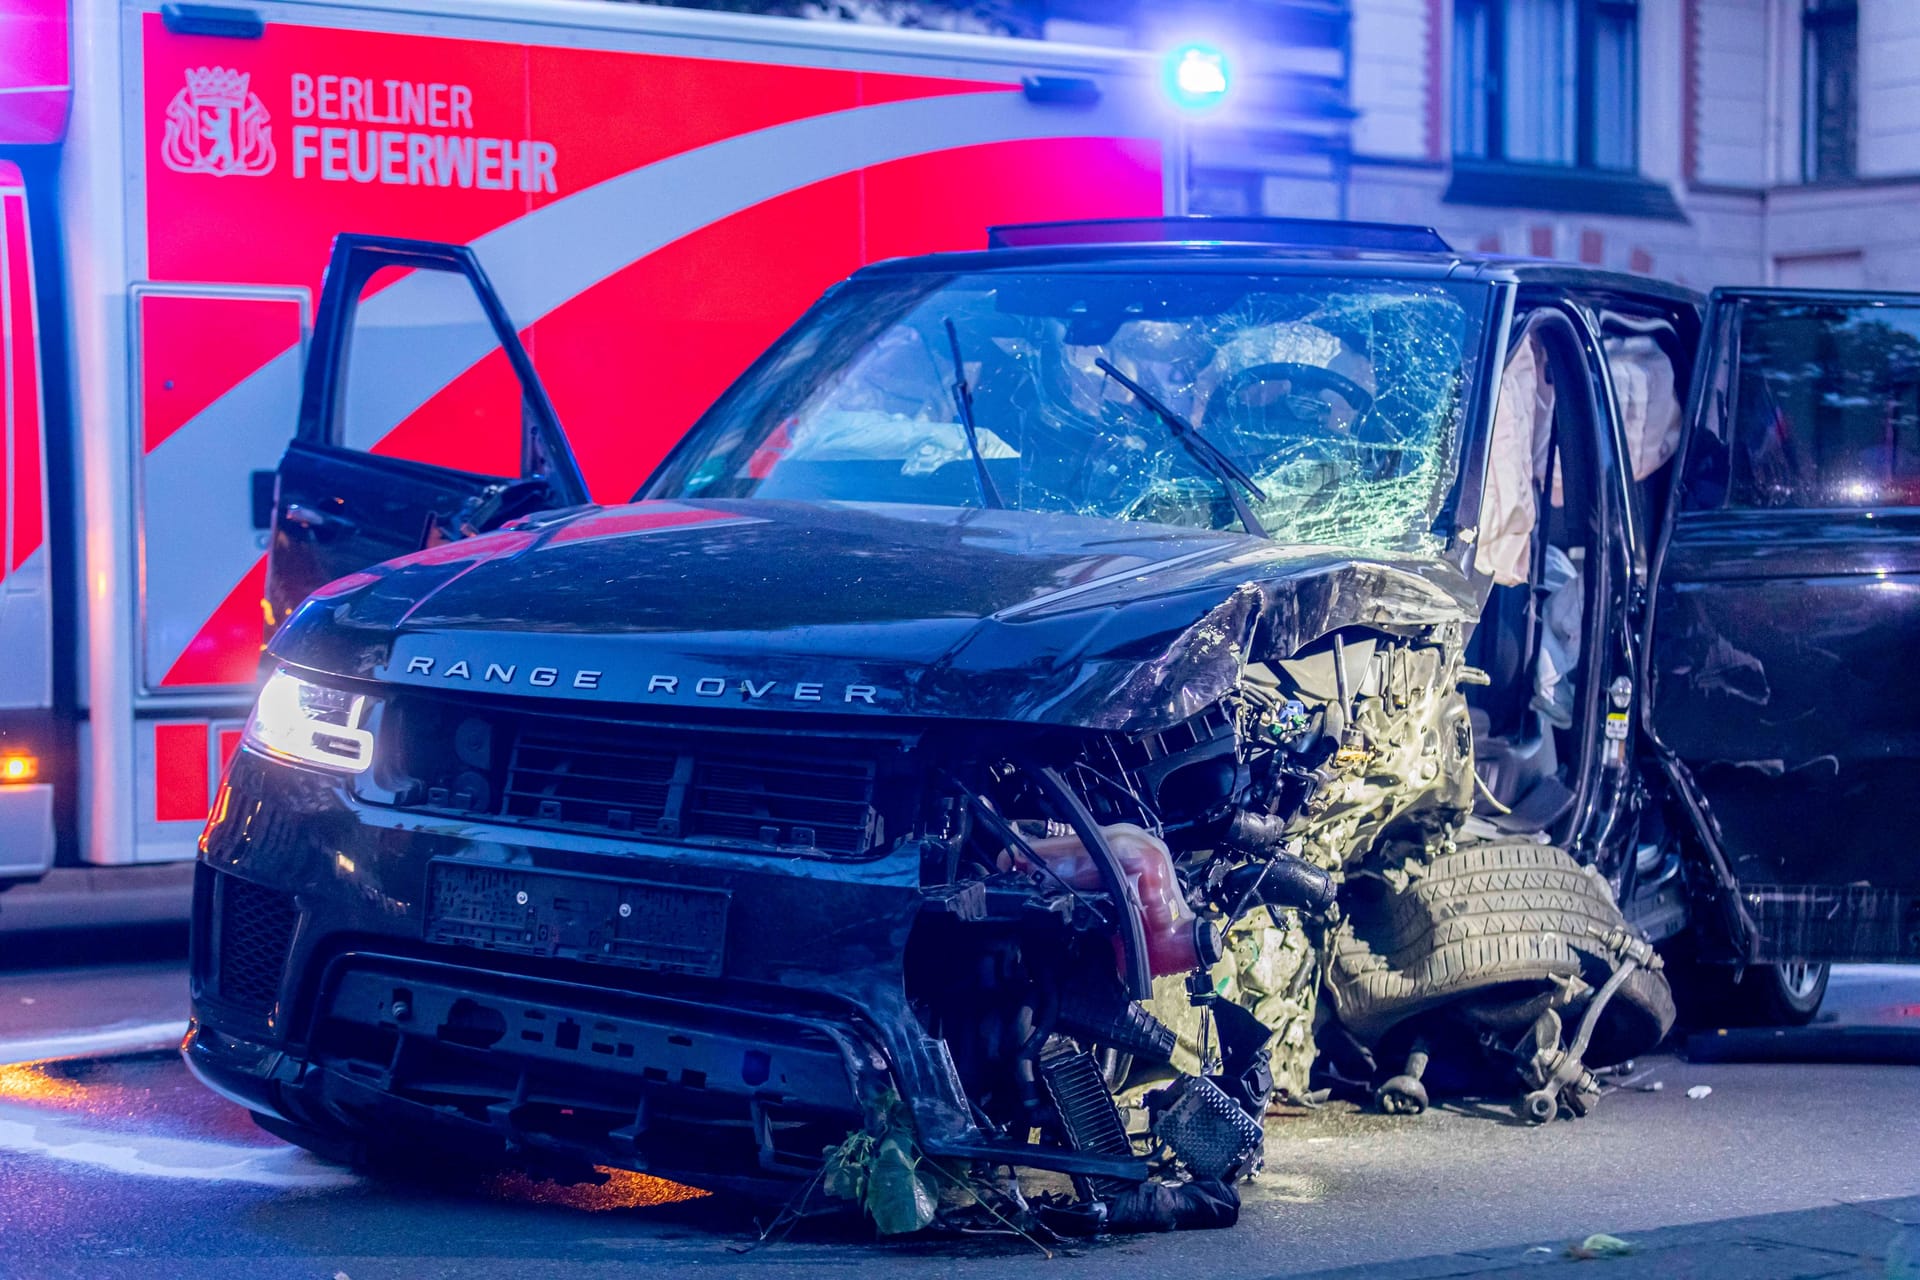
589 780
699 785
625 778
255 930
819 804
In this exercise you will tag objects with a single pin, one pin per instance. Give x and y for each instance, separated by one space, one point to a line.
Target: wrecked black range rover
1057 697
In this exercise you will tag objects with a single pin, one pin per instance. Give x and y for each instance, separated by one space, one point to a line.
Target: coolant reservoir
1147 865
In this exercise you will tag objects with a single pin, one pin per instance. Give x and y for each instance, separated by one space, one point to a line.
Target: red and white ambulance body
654 193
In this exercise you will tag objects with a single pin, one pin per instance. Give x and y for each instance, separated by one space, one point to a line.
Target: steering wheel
1283 431
1307 379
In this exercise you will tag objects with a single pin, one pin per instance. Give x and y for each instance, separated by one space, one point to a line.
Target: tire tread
1481 916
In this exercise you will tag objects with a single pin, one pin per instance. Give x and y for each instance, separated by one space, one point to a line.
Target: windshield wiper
963 399
1232 476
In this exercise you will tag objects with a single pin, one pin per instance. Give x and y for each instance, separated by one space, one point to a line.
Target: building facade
1707 141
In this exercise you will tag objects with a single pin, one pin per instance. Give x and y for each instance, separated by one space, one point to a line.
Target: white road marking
89 1044
34 1132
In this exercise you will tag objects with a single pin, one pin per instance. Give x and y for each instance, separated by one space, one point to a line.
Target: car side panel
1784 671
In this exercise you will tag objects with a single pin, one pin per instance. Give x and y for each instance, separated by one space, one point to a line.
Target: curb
105 1043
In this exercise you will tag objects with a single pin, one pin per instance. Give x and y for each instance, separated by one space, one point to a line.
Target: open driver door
409 331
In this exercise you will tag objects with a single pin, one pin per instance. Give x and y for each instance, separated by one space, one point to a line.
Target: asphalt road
68 992
125 1167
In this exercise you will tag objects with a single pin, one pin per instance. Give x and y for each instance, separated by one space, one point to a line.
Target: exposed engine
1353 755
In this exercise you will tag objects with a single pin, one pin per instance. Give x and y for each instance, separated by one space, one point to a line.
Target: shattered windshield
1340 399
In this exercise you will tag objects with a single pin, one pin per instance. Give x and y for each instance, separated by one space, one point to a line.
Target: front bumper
326 991
491 1066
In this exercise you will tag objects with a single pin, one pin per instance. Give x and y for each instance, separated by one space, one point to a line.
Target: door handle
314 524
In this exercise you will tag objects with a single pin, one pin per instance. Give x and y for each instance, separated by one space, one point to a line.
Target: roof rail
1299 233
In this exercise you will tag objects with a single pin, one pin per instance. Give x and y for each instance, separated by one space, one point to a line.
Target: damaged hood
851 608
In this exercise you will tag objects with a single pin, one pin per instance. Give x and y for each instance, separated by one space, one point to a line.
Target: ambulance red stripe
35 72
182 772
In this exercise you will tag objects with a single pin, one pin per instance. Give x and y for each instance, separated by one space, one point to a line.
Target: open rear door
352 489
1786 622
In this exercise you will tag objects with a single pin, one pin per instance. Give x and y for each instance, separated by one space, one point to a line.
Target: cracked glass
1342 398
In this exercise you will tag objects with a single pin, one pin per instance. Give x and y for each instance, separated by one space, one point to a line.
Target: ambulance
650 195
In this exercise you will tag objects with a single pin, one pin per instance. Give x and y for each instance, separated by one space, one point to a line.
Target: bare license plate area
635 924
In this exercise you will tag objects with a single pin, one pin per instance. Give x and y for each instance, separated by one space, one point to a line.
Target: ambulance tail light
311 724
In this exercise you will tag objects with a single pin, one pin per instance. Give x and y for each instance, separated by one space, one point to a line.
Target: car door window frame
1718 363
544 451
1569 344
1642 518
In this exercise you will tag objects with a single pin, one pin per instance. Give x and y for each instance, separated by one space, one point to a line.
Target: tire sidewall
1780 1000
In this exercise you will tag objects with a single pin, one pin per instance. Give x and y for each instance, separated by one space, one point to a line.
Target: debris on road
883 1172
1639 1082
1699 1091
1600 1245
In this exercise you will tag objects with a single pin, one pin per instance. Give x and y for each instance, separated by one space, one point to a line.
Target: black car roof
1253 257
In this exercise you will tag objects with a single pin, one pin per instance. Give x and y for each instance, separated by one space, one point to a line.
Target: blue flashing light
1197 77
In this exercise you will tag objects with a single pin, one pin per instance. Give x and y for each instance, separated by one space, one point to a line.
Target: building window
1550 82
1831 71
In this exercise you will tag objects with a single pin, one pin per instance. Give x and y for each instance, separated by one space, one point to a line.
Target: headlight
311 724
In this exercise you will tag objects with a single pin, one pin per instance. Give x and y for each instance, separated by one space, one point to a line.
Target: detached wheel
1484 932
1783 995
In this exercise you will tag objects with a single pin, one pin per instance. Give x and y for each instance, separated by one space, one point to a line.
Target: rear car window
1826 406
